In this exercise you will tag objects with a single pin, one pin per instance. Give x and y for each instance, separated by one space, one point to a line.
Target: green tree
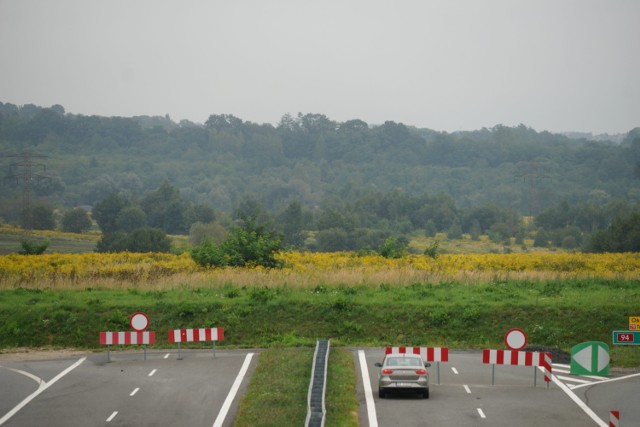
393 247
42 218
105 213
130 218
76 220
623 235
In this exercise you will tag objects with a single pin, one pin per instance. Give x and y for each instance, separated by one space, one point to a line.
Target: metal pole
493 374
535 375
179 356
438 372
108 354
145 352
214 349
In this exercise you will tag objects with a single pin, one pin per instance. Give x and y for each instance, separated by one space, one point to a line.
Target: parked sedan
404 372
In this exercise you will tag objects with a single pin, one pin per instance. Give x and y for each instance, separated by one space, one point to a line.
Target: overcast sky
556 65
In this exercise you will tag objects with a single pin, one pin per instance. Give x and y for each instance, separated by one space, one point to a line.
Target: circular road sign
515 339
139 321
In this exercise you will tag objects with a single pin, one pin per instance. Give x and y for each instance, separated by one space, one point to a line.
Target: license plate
405 384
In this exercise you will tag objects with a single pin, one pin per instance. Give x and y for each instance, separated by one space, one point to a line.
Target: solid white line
368 394
153 372
481 412
112 416
579 402
39 380
40 389
455 371
608 380
468 390
135 391
574 380
233 391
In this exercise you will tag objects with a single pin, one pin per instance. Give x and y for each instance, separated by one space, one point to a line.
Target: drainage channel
316 410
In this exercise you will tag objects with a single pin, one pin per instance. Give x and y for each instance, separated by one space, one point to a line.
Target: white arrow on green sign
590 358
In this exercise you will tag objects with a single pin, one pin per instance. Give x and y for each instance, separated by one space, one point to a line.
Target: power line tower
26 170
532 172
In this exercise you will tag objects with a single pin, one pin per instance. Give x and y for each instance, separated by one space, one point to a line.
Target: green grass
277 394
552 313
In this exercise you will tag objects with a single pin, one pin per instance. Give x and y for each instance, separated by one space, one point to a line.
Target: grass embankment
281 383
558 313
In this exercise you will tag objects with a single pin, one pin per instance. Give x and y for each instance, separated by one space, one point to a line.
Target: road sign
139 321
590 358
626 337
634 323
515 339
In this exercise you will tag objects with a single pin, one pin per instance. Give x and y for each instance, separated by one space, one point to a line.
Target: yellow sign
634 323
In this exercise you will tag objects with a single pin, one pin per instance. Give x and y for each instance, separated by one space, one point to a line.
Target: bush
393 248
140 240
246 246
33 248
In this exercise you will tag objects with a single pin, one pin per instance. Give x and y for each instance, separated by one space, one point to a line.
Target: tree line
322 184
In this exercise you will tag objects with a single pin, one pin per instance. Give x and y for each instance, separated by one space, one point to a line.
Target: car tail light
421 371
387 371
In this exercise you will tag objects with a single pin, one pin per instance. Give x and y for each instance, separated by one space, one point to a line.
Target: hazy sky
557 65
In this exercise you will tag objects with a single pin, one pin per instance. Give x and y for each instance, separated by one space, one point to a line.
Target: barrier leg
493 374
438 364
145 352
535 375
108 354
179 356
214 349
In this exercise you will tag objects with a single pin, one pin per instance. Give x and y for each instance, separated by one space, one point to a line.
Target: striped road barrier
428 354
614 419
519 358
196 335
127 338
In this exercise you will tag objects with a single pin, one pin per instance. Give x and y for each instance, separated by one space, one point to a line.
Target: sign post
626 337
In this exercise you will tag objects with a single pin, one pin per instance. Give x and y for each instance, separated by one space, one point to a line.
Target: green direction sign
626 337
590 358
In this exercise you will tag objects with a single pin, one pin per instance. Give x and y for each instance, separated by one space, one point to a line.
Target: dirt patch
22 353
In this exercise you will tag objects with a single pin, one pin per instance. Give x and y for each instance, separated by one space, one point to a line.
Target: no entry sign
139 321
515 339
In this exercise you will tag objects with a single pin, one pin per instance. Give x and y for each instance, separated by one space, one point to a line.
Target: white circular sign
515 339
139 321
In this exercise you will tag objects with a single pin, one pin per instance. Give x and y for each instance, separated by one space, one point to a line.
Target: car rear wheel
381 394
425 394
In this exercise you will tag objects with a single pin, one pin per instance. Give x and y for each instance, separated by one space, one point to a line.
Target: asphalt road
471 393
201 390
128 391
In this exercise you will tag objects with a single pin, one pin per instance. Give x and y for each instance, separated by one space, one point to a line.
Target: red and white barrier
200 334
428 354
519 358
614 419
127 338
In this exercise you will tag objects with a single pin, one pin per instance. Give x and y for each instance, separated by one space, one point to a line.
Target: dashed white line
166 356
467 389
133 393
112 416
152 372
455 371
481 413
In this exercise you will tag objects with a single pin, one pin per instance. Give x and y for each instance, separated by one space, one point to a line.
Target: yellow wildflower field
304 269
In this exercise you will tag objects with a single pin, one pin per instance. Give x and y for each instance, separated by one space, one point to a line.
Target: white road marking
368 394
166 356
467 389
608 380
579 402
153 372
37 379
481 412
133 393
233 391
455 371
574 380
41 388
112 416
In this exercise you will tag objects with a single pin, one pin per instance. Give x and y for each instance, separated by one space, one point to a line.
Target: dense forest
351 184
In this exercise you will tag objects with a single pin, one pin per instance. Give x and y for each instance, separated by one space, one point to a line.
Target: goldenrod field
68 271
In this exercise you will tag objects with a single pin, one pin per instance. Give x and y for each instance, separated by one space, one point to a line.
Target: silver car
405 372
